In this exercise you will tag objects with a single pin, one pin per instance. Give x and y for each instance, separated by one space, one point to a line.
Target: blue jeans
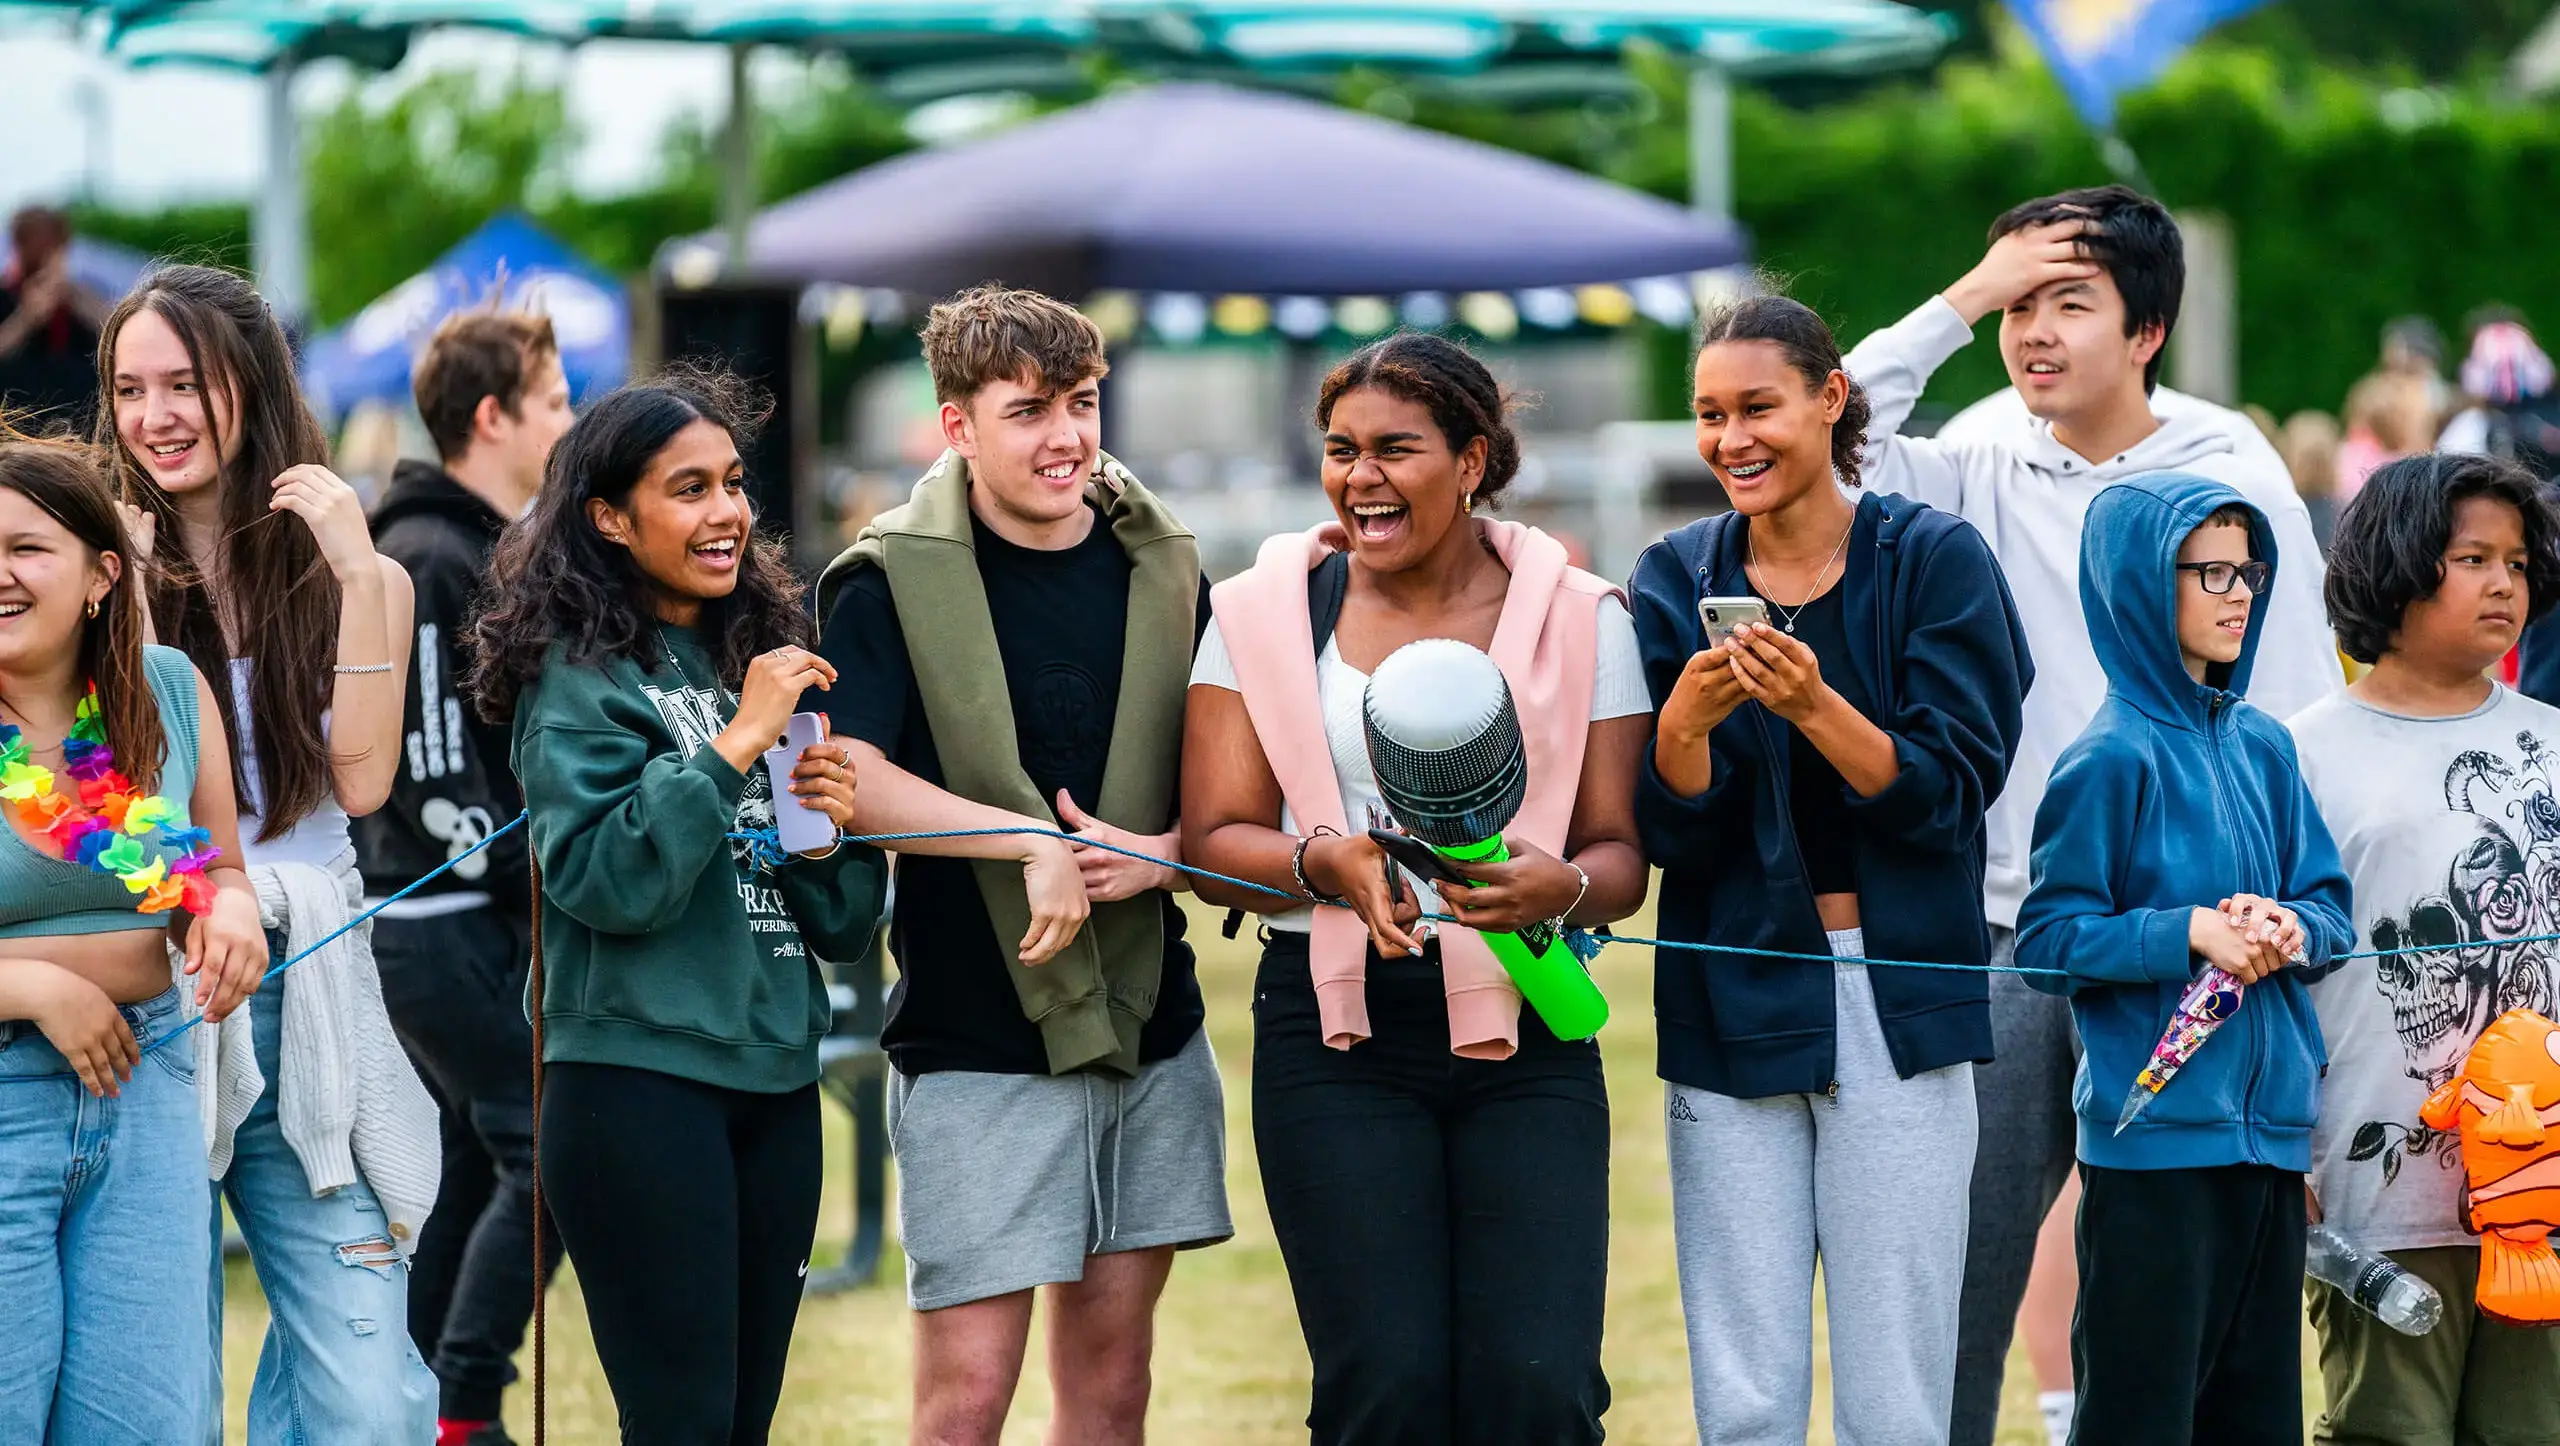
101 1243
338 1368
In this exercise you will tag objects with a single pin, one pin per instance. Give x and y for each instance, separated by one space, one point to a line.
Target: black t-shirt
1817 796
1061 620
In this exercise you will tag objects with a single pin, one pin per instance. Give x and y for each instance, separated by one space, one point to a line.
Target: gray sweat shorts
1008 1181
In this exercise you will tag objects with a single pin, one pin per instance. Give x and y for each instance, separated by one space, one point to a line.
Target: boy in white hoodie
2086 285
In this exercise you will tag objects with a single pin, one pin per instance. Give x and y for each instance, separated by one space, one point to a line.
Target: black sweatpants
454 987
688 1211
2190 1321
1445 1222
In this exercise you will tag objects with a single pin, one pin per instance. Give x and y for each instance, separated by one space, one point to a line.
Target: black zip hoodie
454 786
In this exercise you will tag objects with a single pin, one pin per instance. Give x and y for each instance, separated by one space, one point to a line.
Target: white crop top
324 835
1617 691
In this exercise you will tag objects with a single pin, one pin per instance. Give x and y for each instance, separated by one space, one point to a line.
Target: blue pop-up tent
368 359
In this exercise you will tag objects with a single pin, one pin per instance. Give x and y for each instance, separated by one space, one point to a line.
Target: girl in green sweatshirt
650 648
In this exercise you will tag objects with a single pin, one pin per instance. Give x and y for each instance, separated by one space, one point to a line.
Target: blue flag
2100 49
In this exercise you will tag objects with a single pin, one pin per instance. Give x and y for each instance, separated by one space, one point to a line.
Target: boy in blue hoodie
2177 834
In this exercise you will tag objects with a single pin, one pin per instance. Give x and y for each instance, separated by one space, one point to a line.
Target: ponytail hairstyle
278 594
557 582
1446 380
1800 335
67 481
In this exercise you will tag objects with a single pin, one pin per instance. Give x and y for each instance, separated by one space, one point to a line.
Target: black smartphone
1419 857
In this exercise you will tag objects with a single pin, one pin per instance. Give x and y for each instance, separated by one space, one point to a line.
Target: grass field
1230 1368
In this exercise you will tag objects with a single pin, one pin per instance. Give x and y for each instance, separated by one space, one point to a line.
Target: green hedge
2350 204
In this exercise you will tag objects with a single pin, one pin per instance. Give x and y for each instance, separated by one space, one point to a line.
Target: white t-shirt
322 837
1617 691
2450 832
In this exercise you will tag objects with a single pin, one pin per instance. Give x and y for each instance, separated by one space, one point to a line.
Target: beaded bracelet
1298 866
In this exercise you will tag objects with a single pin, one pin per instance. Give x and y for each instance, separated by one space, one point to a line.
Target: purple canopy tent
1202 188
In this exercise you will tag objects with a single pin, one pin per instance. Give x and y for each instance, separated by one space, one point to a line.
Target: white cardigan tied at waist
350 1103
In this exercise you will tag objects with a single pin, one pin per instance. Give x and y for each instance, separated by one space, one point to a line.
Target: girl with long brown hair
263 571
118 838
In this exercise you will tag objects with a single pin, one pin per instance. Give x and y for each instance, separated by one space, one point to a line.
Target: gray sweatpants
2028 1141
1870 1181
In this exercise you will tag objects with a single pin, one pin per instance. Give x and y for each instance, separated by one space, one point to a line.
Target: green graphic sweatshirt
664 947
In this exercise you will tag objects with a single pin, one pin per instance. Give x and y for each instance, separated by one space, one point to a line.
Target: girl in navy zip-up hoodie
1817 787
2180 805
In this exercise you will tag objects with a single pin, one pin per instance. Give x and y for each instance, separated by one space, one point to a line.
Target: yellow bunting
1240 315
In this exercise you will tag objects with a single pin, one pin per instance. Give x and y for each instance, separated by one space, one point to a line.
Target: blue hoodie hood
2129 592
2179 795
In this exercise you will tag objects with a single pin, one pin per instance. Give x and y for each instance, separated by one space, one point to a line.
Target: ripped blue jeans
338 1368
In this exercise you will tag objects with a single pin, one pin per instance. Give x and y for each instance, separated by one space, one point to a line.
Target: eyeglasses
2217 577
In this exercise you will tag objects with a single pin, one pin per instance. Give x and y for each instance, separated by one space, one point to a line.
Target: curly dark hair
556 580
1799 332
1446 380
2388 551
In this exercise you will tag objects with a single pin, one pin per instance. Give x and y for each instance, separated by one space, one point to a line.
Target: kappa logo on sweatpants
1680 1110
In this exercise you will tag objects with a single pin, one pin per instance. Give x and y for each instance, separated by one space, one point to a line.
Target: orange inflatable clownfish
2506 1104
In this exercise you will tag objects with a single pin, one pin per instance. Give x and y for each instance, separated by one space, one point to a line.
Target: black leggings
688 1211
1445 1221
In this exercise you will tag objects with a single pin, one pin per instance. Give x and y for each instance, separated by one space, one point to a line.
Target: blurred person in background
2514 415
368 450
2390 415
2413 347
48 326
2513 409
454 956
2309 447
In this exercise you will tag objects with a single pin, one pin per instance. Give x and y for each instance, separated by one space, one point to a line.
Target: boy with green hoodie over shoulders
1014 646
2176 835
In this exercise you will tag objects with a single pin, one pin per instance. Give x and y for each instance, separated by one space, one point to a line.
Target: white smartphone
1719 616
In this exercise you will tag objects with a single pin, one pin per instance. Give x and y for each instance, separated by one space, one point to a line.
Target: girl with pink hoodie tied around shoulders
1436 1160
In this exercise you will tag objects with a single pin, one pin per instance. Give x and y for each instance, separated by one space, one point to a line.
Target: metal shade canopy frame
927 48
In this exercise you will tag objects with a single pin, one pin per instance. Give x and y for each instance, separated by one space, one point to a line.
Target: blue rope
765 851
1586 945
325 941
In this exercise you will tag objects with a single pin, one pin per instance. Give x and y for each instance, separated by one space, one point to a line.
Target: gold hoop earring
93 607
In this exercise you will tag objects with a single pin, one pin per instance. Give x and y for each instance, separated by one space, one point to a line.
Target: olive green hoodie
1091 999
664 947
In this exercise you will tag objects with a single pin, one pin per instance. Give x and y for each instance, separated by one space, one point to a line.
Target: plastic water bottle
2373 1281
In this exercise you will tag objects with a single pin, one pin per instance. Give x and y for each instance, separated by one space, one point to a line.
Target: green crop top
43 895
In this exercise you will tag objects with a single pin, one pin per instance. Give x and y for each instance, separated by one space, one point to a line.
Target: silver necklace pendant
1791 629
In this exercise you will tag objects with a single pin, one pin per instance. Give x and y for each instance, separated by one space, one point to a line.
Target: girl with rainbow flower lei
119 836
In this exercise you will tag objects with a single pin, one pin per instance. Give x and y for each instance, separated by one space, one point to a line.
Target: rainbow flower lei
110 828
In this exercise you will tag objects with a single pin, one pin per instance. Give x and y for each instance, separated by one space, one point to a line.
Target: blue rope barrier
322 943
1585 943
765 849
